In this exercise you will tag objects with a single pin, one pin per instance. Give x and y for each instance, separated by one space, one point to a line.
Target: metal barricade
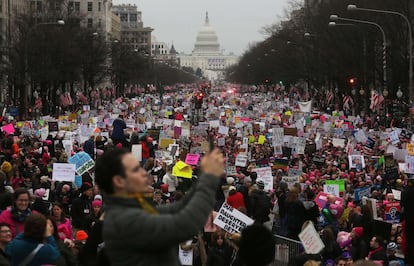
286 249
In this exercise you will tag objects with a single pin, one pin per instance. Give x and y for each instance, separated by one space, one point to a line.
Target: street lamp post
384 41
27 85
410 42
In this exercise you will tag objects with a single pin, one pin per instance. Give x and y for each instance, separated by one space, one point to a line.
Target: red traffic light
352 81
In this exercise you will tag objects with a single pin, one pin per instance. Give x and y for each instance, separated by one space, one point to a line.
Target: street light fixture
26 53
410 41
384 41
399 93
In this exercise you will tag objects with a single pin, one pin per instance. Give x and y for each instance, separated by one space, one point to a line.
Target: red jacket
236 200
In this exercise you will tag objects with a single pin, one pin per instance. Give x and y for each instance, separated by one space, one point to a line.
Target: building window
99 6
90 6
90 23
77 6
124 17
133 17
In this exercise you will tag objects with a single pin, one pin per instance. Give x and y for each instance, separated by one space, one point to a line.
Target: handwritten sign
192 159
231 220
410 148
311 240
362 192
186 256
136 150
291 180
63 172
331 189
241 160
265 174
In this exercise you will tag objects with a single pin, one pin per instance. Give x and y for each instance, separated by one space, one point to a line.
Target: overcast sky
237 22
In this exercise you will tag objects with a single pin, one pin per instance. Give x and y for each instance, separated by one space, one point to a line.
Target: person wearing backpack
260 204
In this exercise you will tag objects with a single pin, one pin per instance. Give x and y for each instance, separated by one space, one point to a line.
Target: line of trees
330 56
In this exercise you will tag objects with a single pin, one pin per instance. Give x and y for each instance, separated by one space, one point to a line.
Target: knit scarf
22 215
372 252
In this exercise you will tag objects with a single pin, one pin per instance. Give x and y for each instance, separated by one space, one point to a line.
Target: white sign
63 172
397 194
241 160
338 142
223 130
185 256
278 135
331 189
214 123
265 174
291 180
231 220
310 240
394 138
360 136
136 150
300 146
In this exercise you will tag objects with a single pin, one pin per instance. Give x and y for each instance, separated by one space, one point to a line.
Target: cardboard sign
231 220
8 129
82 161
136 150
165 143
394 137
265 174
311 240
291 180
290 131
192 159
392 212
331 189
63 172
223 130
397 194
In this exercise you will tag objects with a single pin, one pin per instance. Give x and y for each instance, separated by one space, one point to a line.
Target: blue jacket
118 129
20 247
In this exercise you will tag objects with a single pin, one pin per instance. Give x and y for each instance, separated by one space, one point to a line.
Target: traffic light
199 97
352 81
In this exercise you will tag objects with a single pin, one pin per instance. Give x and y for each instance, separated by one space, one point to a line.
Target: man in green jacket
135 232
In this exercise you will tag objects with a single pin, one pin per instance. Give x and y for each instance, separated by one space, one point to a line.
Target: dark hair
55 228
5 224
35 226
107 166
257 246
60 205
379 240
19 192
216 235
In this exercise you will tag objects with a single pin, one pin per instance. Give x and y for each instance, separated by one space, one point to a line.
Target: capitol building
207 54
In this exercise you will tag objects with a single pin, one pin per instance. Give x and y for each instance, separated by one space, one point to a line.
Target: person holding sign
137 233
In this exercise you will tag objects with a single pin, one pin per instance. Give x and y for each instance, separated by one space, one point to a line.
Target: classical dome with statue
207 40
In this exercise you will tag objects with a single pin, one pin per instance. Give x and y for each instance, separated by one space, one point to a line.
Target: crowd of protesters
43 221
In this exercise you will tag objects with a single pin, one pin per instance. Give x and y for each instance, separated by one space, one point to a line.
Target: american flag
329 96
376 100
347 102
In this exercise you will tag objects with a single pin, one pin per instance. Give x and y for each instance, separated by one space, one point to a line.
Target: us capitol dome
207 55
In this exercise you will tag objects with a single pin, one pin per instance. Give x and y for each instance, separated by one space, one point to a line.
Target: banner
231 220
63 172
305 107
82 161
339 182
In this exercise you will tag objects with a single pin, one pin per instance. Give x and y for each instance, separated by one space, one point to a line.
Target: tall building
133 32
162 52
207 55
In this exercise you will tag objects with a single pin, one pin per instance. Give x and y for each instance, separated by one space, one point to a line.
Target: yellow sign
182 169
261 139
410 148
251 139
164 143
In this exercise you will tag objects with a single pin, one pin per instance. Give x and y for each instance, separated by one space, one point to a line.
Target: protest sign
394 137
331 189
53 126
82 161
339 182
186 256
63 172
277 135
136 150
223 130
8 129
310 239
291 180
265 174
356 161
241 160
336 142
362 192
231 220
396 193
192 159
392 212
410 148
322 198
182 169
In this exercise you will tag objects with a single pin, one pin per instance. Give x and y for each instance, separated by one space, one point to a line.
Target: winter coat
135 237
20 247
15 226
259 206
81 212
118 129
